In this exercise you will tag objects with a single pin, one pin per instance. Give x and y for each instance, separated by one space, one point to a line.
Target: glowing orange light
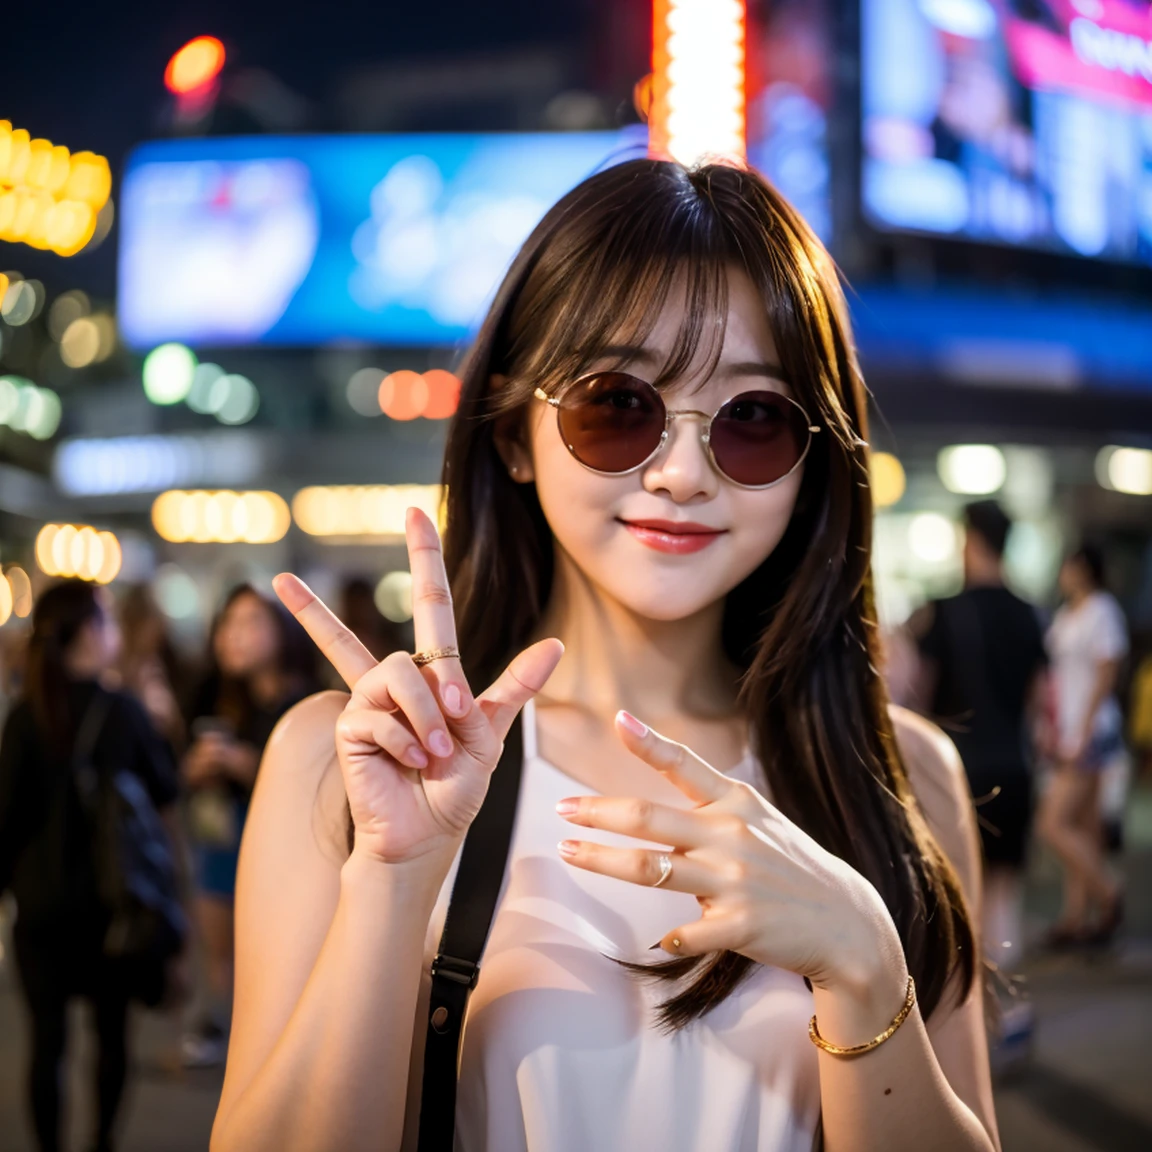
403 395
434 394
443 394
697 96
195 66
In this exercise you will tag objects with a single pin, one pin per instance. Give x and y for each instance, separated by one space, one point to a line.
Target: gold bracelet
859 1049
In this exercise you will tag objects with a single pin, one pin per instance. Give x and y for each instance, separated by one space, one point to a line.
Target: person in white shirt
1087 641
657 545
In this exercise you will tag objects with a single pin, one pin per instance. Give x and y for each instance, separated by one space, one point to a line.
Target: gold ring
449 653
665 862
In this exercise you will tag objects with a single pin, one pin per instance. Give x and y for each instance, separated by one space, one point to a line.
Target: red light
195 66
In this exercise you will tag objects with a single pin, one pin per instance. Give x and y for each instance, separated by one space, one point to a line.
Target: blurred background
243 247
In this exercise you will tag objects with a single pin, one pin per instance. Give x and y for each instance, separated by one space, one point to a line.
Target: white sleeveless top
560 1050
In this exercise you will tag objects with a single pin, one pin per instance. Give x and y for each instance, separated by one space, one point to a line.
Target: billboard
1022 122
391 240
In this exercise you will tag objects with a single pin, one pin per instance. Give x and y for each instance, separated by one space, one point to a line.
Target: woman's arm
329 947
929 1086
328 957
1103 686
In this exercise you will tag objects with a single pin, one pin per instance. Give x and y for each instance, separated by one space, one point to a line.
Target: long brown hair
802 627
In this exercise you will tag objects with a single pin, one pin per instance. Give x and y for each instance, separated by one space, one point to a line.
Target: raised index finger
432 617
698 780
336 640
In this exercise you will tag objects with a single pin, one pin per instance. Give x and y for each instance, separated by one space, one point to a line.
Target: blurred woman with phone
261 665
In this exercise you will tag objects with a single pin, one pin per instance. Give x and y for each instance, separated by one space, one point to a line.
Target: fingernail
568 847
440 744
567 807
453 700
415 757
630 724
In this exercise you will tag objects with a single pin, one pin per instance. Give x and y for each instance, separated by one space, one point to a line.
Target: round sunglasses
615 423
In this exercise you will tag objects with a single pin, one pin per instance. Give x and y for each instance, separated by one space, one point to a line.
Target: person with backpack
84 780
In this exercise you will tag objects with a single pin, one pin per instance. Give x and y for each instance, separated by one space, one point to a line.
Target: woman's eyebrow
628 354
754 368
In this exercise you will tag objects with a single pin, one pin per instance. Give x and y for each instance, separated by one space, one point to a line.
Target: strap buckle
458 971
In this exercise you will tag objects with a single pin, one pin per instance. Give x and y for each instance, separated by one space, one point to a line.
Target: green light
168 373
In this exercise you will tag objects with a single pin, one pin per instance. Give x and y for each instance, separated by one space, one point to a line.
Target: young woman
659 459
261 668
46 849
1087 641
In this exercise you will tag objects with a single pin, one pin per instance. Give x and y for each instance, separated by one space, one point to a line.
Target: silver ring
665 862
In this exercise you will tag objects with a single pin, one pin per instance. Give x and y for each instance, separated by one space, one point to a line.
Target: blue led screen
393 240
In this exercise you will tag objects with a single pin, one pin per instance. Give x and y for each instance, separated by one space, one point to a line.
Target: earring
515 469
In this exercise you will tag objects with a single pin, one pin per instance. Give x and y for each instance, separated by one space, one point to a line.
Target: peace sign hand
416 748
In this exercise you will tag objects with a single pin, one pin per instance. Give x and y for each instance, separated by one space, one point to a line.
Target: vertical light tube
697 109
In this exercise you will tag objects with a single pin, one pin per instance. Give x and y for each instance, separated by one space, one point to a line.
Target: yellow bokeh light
377 510
21 587
49 198
108 570
77 551
80 344
221 517
888 480
6 601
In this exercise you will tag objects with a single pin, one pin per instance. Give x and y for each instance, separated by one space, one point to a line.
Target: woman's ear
510 438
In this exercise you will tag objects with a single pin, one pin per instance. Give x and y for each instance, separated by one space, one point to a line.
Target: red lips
678 537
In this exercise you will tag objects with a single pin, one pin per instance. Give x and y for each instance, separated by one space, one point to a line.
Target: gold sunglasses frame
671 414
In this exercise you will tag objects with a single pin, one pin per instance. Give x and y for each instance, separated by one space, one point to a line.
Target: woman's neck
616 659
1079 596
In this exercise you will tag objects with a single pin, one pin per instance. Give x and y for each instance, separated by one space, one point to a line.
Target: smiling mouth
671 537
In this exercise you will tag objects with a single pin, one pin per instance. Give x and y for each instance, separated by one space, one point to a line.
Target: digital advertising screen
1023 122
392 240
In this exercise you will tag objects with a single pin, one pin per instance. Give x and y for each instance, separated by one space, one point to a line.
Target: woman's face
1074 578
109 638
247 639
598 520
96 647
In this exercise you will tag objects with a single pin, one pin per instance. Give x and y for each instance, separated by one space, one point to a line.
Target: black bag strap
457 964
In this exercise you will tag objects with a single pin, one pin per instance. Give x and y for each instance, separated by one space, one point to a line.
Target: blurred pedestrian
1087 642
262 665
65 721
148 666
982 677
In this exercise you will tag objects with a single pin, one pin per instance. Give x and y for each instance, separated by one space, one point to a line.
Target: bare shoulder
300 766
940 785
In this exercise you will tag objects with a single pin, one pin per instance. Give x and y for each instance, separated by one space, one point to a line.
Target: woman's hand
203 763
416 748
767 889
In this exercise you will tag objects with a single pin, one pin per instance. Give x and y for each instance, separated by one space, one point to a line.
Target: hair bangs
619 271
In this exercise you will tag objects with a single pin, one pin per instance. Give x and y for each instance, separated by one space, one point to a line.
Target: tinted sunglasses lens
759 437
611 422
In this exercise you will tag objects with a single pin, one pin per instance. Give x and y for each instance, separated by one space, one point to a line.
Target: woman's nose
682 468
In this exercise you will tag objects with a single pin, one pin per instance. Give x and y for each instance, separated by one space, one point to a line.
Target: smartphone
212 726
